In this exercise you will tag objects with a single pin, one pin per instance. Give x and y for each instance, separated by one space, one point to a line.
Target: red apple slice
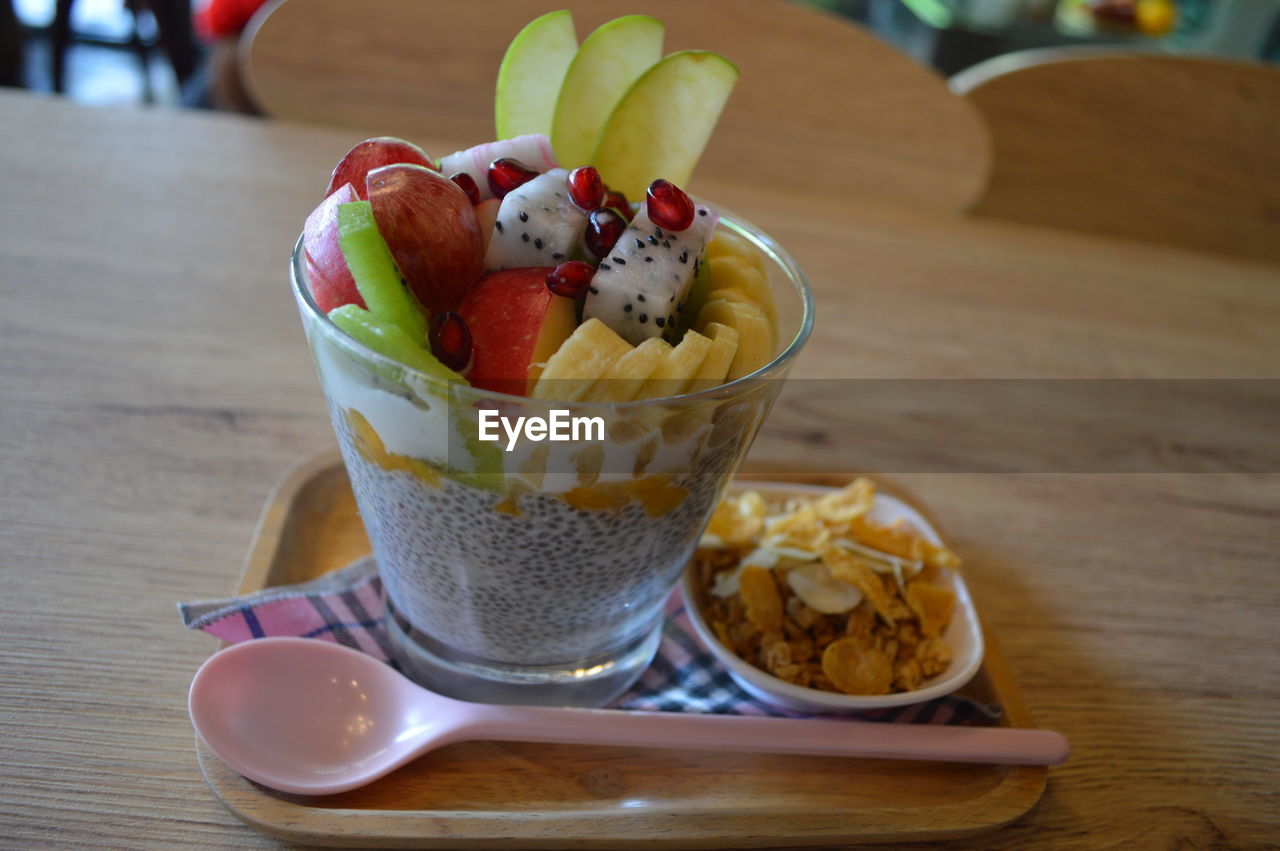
327 273
375 153
517 324
430 226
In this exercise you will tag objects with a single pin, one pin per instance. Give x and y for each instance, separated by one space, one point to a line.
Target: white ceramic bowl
963 635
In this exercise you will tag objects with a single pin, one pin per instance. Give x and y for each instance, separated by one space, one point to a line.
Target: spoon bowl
315 718
306 716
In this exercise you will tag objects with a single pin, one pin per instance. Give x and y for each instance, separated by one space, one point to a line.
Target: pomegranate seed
468 184
668 206
505 174
604 226
450 340
586 188
619 202
571 278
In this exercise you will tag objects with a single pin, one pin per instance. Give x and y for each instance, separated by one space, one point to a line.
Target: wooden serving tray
483 794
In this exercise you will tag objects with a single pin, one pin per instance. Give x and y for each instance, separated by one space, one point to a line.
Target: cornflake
736 521
800 530
882 616
856 669
760 595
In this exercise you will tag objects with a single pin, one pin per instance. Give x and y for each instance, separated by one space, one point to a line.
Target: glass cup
527 570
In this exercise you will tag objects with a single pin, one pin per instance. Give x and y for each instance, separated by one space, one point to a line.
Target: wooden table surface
154 385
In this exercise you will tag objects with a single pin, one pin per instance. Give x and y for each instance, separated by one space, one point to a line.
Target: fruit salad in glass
543 360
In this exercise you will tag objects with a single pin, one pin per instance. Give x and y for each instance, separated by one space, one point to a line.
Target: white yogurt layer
404 428
426 430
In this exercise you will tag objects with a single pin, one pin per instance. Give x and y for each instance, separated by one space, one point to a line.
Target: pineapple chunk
755 335
623 381
715 366
580 362
735 273
676 371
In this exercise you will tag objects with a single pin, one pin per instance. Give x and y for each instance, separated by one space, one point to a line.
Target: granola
816 594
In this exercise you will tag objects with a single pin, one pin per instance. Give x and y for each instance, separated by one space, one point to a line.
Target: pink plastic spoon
314 718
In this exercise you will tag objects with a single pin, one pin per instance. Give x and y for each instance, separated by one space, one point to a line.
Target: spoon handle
1006 745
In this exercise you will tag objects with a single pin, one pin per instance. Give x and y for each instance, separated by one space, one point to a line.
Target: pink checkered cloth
346 607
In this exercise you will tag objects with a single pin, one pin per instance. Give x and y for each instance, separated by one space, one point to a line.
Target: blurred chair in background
173 27
1164 149
11 46
843 114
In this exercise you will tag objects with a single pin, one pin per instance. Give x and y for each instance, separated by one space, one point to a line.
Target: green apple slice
609 61
662 123
531 74
375 272
484 465
387 338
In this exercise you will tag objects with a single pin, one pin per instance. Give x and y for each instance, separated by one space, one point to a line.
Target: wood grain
822 106
156 384
487 795
1177 150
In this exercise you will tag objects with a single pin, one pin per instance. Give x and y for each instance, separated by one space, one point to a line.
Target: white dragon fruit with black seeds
534 150
639 289
538 225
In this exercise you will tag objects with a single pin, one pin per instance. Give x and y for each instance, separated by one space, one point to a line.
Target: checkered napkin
346 607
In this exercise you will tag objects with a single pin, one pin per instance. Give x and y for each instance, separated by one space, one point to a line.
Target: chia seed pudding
519 577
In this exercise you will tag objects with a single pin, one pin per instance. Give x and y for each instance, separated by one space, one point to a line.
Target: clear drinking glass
532 571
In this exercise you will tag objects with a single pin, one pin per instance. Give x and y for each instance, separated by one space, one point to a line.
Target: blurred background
181 52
